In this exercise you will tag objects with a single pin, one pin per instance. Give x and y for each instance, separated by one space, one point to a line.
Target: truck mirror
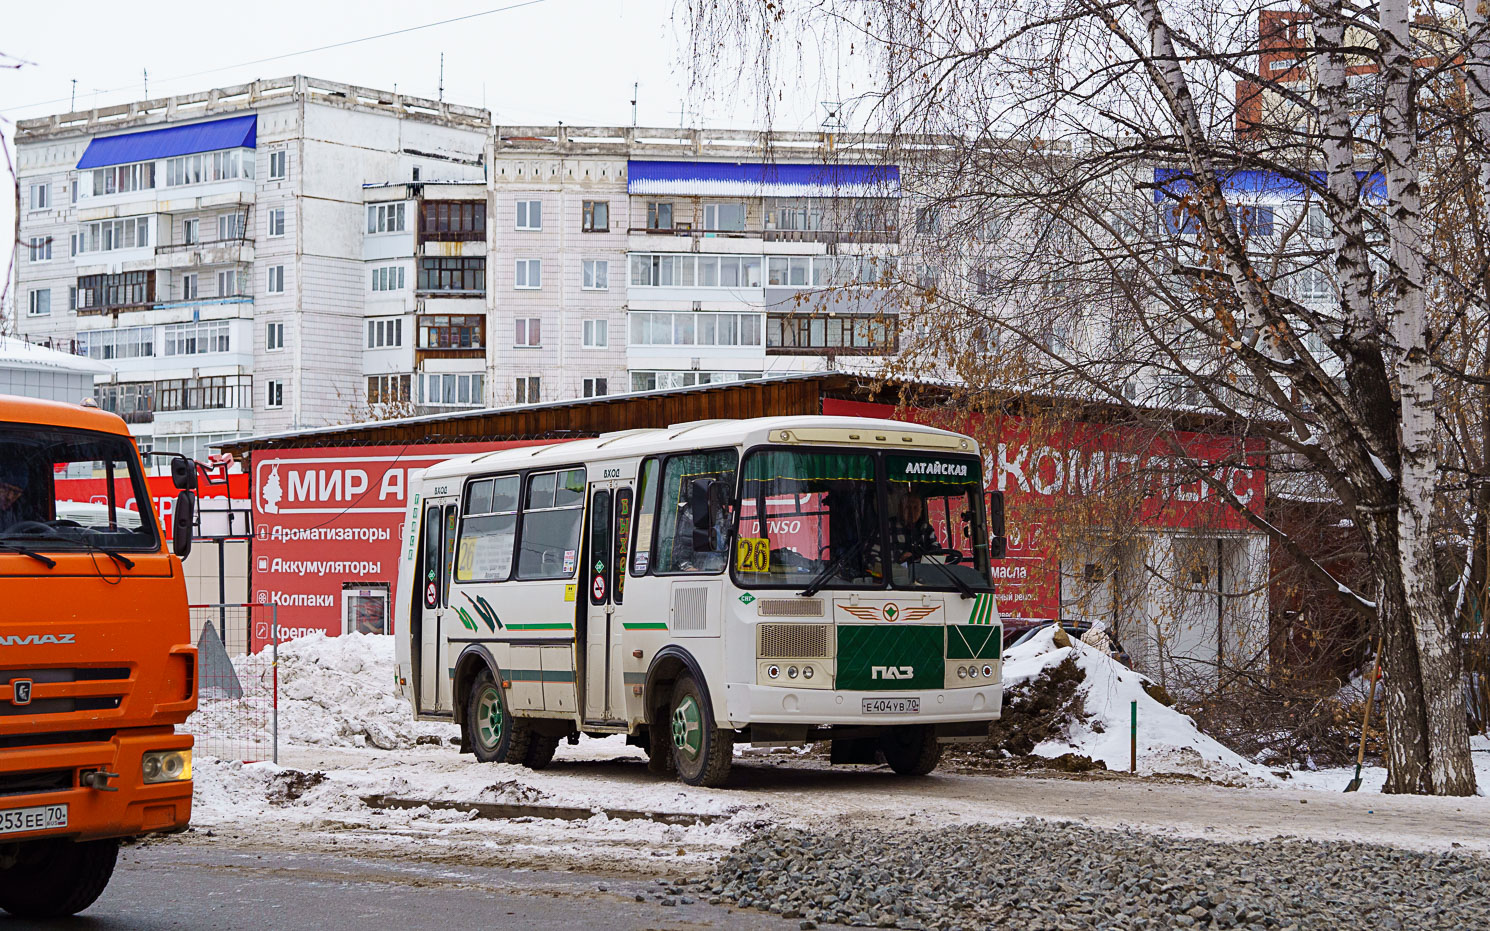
184 473
998 543
183 519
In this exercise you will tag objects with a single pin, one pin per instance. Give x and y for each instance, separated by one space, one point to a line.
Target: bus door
604 581
432 601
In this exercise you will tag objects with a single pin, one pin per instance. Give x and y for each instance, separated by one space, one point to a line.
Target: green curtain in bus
791 466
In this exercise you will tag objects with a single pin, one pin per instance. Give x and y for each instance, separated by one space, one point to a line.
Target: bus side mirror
184 473
183 519
998 543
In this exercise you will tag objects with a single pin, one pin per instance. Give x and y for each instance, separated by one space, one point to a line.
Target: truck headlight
166 766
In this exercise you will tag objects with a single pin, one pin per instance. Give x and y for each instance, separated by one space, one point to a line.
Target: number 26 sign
753 554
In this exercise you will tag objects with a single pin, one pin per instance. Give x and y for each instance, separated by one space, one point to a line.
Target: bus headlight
807 672
972 671
791 672
962 672
166 766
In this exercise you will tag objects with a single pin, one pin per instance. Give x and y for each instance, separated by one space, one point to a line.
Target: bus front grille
794 641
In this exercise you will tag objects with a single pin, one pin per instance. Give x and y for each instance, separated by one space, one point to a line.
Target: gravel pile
1042 875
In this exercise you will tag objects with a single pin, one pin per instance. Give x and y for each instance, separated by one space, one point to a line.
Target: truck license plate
892 706
38 818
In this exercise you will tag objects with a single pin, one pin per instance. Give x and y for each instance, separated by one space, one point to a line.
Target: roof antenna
146 73
73 103
634 95
442 77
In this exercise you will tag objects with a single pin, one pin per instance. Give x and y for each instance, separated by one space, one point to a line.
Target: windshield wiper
967 590
24 551
821 579
55 534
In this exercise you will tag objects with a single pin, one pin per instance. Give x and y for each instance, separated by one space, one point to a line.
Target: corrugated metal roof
232 133
762 179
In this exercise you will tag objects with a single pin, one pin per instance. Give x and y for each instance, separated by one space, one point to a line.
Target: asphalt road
225 886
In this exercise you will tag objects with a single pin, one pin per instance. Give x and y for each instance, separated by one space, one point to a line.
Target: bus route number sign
753 554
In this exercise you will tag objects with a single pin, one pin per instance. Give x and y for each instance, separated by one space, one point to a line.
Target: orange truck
97 668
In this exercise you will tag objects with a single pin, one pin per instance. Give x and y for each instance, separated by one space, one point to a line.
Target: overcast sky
553 60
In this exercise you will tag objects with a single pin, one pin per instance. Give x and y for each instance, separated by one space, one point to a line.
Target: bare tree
1254 211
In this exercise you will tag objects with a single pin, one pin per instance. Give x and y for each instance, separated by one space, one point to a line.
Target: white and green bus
781 581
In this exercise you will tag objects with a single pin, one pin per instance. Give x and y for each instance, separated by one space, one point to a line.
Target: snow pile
333 692
1168 741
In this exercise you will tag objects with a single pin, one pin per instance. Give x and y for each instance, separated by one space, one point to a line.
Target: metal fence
237 716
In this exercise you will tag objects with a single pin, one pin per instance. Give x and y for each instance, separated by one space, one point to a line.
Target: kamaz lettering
33 640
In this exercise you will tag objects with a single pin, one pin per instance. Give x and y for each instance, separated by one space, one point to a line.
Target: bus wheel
660 749
911 750
701 752
57 878
494 734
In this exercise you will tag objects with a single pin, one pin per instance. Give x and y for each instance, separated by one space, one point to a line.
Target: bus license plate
892 706
39 818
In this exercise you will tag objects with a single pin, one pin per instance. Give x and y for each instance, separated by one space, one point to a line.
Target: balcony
179 255
771 234
98 294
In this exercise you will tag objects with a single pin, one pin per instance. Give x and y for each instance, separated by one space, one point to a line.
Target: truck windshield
813 519
64 489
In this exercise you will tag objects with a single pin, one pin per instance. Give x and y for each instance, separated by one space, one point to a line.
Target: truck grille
60 691
50 780
794 641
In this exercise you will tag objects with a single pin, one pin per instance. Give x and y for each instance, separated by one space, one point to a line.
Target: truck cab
97 668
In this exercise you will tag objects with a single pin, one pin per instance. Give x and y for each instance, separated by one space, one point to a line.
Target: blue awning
1174 184
238 132
762 179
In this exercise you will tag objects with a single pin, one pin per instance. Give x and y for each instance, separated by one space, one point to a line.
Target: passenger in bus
702 533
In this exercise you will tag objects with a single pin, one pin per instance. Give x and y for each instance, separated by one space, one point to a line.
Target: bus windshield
812 519
35 512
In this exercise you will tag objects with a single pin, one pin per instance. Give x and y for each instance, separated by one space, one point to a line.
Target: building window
529 276
794 331
451 390
109 235
724 218
596 334
384 334
595 216
388 278
121 179
653 328
274 393
209 166
40 303
1254 222
125 398
41 248
385 218
529 389
123 290
652 381
530 214
274 336
41 197
227 284
594 388
529 332
453 220
190 288
235 225
389 389
137 342
72 297
276 222
276 279
706 271
278 161
194 339
191 231
659 216
73 189
1317 223
453 275
596 275
443 331
218 392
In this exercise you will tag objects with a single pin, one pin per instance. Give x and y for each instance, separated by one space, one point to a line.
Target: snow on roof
19 354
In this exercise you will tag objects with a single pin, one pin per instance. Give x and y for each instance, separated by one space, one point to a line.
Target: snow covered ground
346 741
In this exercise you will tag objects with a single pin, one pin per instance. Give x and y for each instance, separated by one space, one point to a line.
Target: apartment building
295 252
210 247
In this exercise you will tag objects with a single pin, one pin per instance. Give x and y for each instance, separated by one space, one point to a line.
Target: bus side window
623 538
429 587
641 540
448 565
693 525
488 530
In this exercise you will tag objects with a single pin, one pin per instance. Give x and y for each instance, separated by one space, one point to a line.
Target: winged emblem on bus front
890 612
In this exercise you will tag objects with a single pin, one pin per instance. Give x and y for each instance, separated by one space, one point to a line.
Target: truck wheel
493 734
57 878
702 753
911 750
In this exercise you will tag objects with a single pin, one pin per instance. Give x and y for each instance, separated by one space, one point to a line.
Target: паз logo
20 691
892 672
